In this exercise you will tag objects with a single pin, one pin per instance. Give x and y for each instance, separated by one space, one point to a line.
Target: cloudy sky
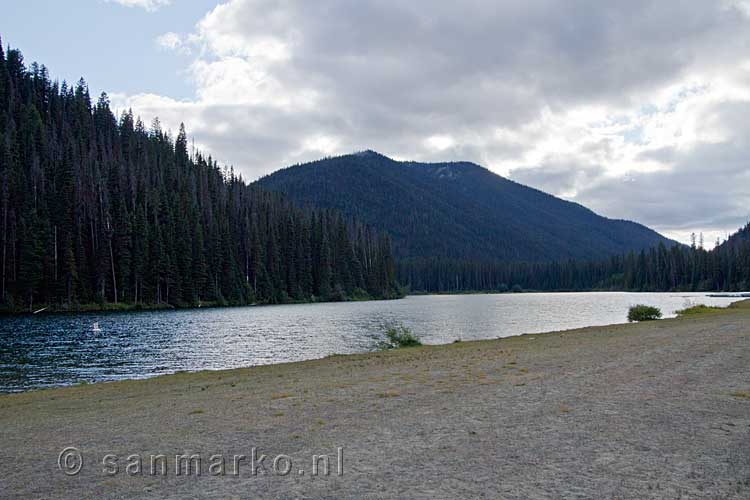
638 109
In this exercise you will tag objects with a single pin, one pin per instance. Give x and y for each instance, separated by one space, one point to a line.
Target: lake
61 349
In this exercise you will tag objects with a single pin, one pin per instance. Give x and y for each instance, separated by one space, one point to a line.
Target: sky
638 110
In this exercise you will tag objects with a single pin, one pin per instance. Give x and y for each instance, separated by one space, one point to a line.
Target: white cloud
599 102
173 41
149 5
323 144
440 142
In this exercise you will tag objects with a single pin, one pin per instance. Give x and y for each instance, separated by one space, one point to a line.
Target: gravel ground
653 410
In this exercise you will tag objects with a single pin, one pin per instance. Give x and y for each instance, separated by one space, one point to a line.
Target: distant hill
457 210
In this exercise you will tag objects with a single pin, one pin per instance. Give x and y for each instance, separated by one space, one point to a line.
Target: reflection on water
50 350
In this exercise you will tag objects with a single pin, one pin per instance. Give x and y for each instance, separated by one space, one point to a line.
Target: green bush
643 313
399 336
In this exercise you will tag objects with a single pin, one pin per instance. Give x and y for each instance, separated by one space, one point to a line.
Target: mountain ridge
457 210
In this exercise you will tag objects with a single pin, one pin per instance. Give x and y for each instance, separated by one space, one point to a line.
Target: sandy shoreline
656 410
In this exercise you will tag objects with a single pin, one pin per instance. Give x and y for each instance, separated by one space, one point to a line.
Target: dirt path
656 410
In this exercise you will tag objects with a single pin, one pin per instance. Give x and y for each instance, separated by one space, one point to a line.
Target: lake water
61 349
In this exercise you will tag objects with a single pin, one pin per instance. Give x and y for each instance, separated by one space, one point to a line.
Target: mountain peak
368 153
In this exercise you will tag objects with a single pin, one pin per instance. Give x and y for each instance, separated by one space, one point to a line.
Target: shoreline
629 410
127 307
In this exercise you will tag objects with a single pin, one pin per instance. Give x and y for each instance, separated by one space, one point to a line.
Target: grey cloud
664 155
709 187
557 178
390 74
706 187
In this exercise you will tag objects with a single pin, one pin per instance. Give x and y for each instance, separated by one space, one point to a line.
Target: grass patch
643 312
197 412
698 309
389 394
741 394
280 395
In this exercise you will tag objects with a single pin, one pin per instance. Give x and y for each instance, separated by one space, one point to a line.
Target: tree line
659 269
99 209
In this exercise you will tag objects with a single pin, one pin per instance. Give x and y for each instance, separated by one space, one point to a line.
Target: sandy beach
651 410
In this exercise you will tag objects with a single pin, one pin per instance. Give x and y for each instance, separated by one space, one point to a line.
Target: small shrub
399 336
643 312
360 294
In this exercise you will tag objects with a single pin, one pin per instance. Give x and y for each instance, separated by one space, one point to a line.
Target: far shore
657 409
125 307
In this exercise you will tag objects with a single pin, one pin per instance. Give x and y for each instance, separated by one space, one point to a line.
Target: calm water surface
52 350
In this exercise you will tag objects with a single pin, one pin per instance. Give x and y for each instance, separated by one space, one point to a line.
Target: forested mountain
458 210
95 208
678 268
459 227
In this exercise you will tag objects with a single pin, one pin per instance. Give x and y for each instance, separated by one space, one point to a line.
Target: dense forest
99 209
675 268
458 210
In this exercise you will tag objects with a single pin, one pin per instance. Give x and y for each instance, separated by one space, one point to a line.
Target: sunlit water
61 349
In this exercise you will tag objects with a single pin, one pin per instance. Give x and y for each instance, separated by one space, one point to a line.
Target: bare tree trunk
55 256
112 261
5 246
